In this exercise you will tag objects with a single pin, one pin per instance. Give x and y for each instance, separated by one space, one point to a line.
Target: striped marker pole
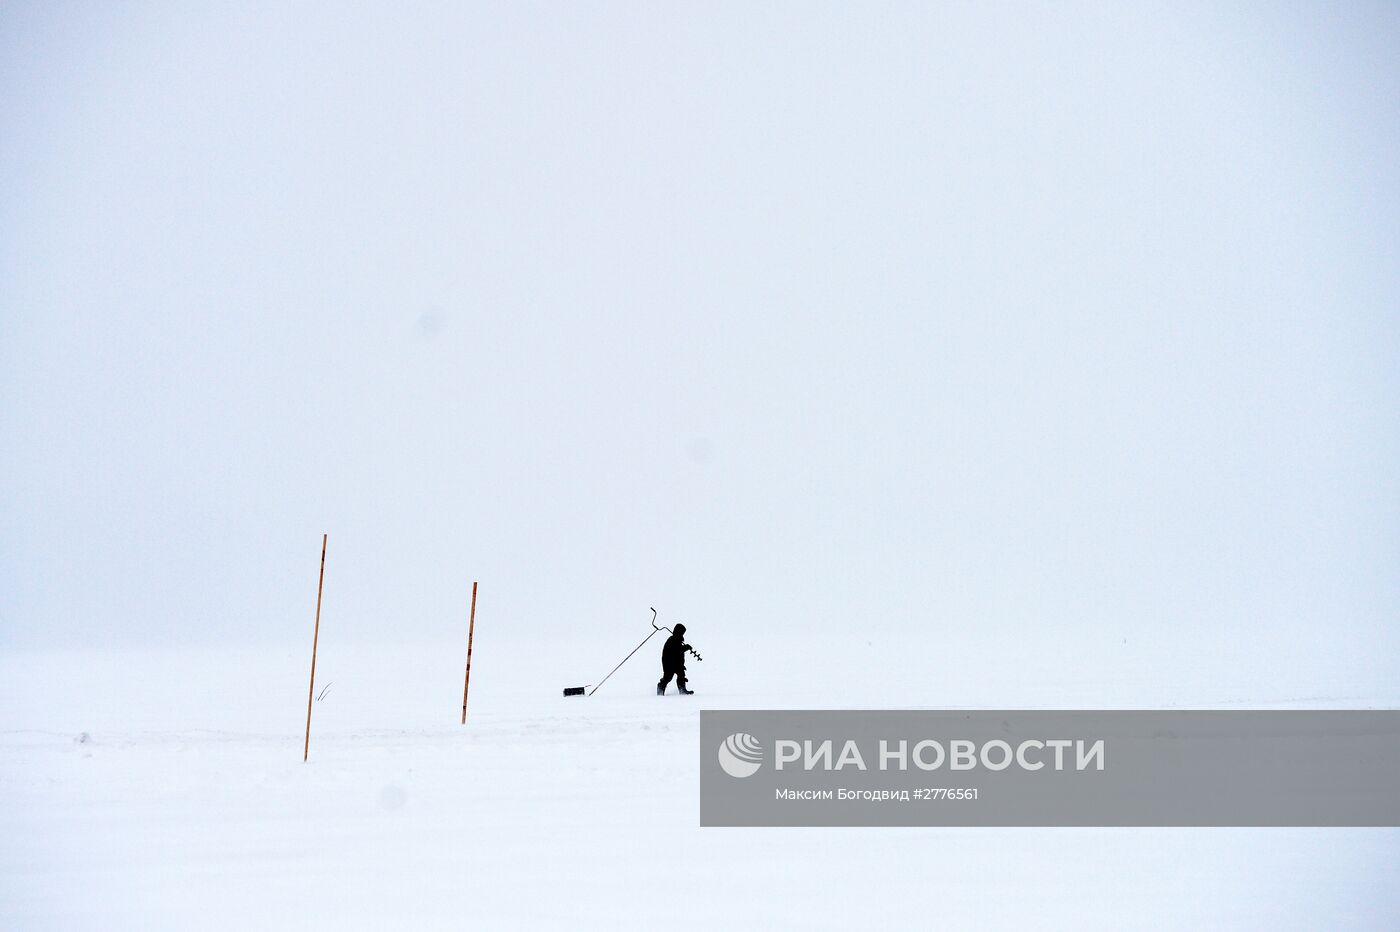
315 639
471 629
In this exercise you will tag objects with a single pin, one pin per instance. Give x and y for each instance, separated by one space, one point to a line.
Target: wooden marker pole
471 629
316 637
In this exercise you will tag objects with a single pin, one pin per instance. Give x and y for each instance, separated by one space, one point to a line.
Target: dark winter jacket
673 653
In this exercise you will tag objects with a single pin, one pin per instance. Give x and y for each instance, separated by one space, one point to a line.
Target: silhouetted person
673 661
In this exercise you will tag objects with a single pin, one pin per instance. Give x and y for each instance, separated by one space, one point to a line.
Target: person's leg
665 678
680 682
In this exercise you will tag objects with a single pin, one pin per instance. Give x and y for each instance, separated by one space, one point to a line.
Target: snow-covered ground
919 355
187 804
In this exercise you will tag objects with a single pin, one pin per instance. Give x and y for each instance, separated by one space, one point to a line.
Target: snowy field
914 355
187 804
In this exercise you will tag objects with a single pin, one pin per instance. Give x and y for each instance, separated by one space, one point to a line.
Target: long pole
624 660
471 629
654 629
315 638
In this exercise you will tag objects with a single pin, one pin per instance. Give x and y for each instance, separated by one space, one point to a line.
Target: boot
683 691
661 689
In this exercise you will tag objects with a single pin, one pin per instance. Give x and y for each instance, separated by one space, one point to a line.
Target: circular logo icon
740 755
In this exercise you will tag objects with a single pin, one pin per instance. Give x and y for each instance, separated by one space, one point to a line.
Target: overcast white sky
842 317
